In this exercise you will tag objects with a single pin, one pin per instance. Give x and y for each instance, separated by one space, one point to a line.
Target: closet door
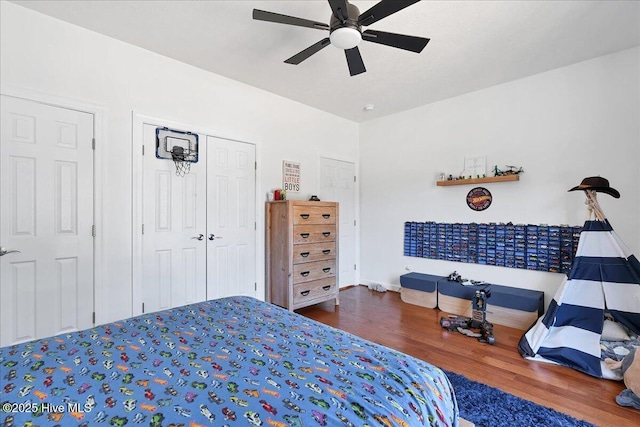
174 244
337 183
231 218
199 230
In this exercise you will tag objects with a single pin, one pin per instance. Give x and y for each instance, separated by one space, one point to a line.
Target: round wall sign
479 199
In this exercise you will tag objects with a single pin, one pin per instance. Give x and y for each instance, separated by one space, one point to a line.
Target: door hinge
93 317
354 178
255 225
143 150
255 165
143 307
255 286
354 222
93 143
354 266
93 231
142 228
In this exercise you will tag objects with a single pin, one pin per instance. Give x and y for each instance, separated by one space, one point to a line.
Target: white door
231 216
174 227
46 213
337 184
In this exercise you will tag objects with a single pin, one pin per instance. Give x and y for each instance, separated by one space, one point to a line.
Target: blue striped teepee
605 277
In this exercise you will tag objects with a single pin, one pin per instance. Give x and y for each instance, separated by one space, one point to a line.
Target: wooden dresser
302 253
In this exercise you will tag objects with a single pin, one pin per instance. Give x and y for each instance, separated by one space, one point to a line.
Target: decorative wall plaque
479 199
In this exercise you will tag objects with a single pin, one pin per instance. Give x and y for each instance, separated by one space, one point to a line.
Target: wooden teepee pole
589 207
594 206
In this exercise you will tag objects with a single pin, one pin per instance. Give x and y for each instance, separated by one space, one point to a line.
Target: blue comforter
226 362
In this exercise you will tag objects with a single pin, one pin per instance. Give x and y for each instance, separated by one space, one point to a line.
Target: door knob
199 237
213 237
4 251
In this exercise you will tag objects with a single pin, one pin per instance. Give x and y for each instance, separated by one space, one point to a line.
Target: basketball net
182 160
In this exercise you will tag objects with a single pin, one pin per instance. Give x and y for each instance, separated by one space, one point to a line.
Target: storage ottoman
420 289
508 306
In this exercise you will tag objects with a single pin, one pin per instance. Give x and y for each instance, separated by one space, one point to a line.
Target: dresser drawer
314 214
309 252
314 270
316 289
314 233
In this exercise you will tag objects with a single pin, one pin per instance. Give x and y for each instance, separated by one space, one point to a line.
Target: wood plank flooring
384 318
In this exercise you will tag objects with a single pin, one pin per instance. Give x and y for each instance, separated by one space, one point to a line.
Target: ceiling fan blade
262 15
339 8
354 61
383 9
401 41
314 48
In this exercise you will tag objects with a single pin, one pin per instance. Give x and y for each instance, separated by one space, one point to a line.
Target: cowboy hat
598 184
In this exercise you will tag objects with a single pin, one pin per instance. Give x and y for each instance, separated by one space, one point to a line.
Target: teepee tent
605 277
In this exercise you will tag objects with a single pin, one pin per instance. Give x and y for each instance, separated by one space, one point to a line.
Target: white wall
48 56
560 126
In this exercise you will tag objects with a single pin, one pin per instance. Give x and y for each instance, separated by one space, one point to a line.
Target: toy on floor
476 325
377 287
630 367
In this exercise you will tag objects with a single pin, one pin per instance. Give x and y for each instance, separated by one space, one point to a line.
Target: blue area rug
489 407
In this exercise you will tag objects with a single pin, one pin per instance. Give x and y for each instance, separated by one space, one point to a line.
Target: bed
225 362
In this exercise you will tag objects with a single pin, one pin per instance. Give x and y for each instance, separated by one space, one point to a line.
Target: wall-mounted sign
291 176
479 199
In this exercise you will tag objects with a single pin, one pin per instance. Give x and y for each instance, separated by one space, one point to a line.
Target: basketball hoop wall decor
178 146
479 199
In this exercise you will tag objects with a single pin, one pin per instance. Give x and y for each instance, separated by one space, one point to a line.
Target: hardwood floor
384 318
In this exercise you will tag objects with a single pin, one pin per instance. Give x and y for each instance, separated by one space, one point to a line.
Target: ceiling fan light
345 37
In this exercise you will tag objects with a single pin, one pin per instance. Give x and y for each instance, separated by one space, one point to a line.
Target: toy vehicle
513 170
476 325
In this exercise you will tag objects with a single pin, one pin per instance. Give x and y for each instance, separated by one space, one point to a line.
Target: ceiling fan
345 30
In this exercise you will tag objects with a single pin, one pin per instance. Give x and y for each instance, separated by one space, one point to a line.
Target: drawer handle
304 216
304 293
326 288
304 273
304 254
304 235
326 269
326 233
326 216
326 251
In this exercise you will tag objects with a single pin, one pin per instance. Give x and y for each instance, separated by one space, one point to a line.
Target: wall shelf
502 178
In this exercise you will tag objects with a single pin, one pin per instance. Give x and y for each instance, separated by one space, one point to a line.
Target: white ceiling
474 44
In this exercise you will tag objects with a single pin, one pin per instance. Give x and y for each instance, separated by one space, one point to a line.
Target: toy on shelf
455 277
513 170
